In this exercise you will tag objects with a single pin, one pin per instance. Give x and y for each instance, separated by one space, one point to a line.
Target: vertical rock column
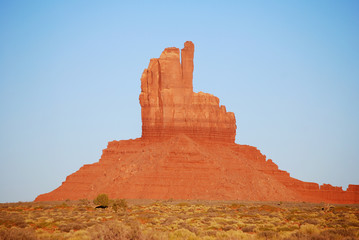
169 105
187 54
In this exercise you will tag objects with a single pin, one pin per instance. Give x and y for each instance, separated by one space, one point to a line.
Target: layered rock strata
183 168
187 151
169 106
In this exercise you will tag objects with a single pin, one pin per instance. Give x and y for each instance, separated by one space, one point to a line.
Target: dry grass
145 219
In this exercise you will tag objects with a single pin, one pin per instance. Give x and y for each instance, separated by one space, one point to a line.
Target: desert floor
174 219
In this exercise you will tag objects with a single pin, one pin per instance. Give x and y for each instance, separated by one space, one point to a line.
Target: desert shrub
265 227
135 232
183 204
15 233
102 200
249 228
43 224
311 221
340 233
307 231
119 204
80 209
211 210
161 220
267 208
12 219
84 202
236 205
188 227
41 207
79 235
151 234
58 206
287 228
109 230
91 223
205 220
297 236
231 235
65 228
267 234
42 234
229 227
182 234
183 216
71 226
310 229
169 221
210 233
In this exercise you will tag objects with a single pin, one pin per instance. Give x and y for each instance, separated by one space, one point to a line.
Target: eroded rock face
187 151
183 168
169 105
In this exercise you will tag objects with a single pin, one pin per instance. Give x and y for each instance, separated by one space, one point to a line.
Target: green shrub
102 199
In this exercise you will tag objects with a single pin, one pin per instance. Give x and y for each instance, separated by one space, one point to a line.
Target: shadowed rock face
187 151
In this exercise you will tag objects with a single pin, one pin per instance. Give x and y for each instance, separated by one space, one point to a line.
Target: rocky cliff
187 151
169 105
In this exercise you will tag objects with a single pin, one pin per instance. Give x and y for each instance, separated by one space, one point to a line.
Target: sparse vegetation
102 200
120 204
145 219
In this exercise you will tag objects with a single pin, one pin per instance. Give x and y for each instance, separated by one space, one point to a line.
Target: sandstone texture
187 151
169 106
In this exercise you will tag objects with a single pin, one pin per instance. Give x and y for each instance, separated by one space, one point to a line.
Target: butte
187 151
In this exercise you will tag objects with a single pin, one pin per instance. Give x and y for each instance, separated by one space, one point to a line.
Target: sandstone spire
187 54
170 107
187 151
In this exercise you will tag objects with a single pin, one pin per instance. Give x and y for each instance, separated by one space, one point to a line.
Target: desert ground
174 219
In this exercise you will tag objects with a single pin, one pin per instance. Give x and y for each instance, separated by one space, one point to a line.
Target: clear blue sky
70 79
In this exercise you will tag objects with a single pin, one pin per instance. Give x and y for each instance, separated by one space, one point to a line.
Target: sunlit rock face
187 151
169 105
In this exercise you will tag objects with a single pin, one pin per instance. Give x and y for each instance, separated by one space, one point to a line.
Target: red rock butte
187 151
170 107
